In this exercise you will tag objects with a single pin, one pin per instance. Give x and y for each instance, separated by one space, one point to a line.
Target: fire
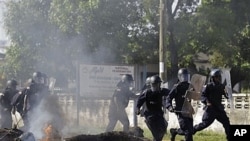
51 134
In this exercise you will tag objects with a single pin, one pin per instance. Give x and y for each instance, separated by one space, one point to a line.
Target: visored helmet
155 82
38 77
11 83
215 75
127 78
155 79
148 81
37 74
183 75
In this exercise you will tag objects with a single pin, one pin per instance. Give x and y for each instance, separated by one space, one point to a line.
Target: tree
46 33
33 39
221 31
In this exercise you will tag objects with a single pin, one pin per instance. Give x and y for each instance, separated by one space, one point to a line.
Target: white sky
2 33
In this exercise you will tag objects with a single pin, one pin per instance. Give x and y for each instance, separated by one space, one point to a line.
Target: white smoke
47 112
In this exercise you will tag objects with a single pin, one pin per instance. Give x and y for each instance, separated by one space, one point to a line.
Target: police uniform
212 98
153 113
6 107
119 103
185 121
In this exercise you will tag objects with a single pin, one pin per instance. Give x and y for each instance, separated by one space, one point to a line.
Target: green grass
199 136
205 135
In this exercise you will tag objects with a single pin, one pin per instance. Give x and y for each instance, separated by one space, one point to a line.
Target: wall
93 113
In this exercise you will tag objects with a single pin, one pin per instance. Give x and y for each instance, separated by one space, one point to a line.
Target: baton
181 112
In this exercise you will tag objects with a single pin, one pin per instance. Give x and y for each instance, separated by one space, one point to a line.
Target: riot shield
52 82
187 109
226 79
197 83
193 93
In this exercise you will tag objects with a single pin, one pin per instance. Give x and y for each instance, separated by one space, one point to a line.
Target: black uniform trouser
157 125
6 119
114 117
186 127
210 114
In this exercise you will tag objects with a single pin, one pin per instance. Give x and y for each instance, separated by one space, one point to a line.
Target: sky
2 32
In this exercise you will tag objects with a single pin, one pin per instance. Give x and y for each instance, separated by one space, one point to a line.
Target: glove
171 109
13 110
138 112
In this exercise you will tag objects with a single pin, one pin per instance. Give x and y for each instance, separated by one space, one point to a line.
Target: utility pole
161 40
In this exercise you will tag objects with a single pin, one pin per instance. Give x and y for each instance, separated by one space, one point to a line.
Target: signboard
99 81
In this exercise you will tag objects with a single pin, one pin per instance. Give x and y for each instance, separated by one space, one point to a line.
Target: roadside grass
199 136
205 135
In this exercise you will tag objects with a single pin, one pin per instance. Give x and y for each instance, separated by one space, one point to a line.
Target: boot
173 133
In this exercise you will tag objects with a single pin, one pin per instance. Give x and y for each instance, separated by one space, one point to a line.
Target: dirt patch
51 134
108 136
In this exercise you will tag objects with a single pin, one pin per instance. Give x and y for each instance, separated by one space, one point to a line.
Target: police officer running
185 118
31 96
119 103
212 97
145 87
154 115
5 101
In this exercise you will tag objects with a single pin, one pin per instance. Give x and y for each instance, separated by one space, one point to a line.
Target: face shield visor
39 80
217 79
155 87
184 77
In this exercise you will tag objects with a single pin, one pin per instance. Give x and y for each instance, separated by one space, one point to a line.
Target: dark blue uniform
185 119
153 113
26 101
212 98
117 108
6 107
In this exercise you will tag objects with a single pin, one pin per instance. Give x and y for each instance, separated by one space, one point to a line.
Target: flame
51 134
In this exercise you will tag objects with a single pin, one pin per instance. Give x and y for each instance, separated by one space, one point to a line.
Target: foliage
92 31
45 33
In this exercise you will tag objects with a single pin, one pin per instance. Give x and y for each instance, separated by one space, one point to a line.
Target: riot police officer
154 115
119 102
30 97
145 87
5 101
212 97
185 118
35 92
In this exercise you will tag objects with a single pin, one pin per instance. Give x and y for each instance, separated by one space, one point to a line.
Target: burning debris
9 134
108 136
51 134
134 134
15 135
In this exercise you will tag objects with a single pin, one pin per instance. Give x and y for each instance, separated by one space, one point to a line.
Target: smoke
47 112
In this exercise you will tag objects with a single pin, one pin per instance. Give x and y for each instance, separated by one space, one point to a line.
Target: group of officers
151 102
23 101
153 99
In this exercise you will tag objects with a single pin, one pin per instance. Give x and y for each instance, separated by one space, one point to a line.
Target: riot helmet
126 81
148 81
183 75
38 77
155 82
127 78
11 83
215 76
